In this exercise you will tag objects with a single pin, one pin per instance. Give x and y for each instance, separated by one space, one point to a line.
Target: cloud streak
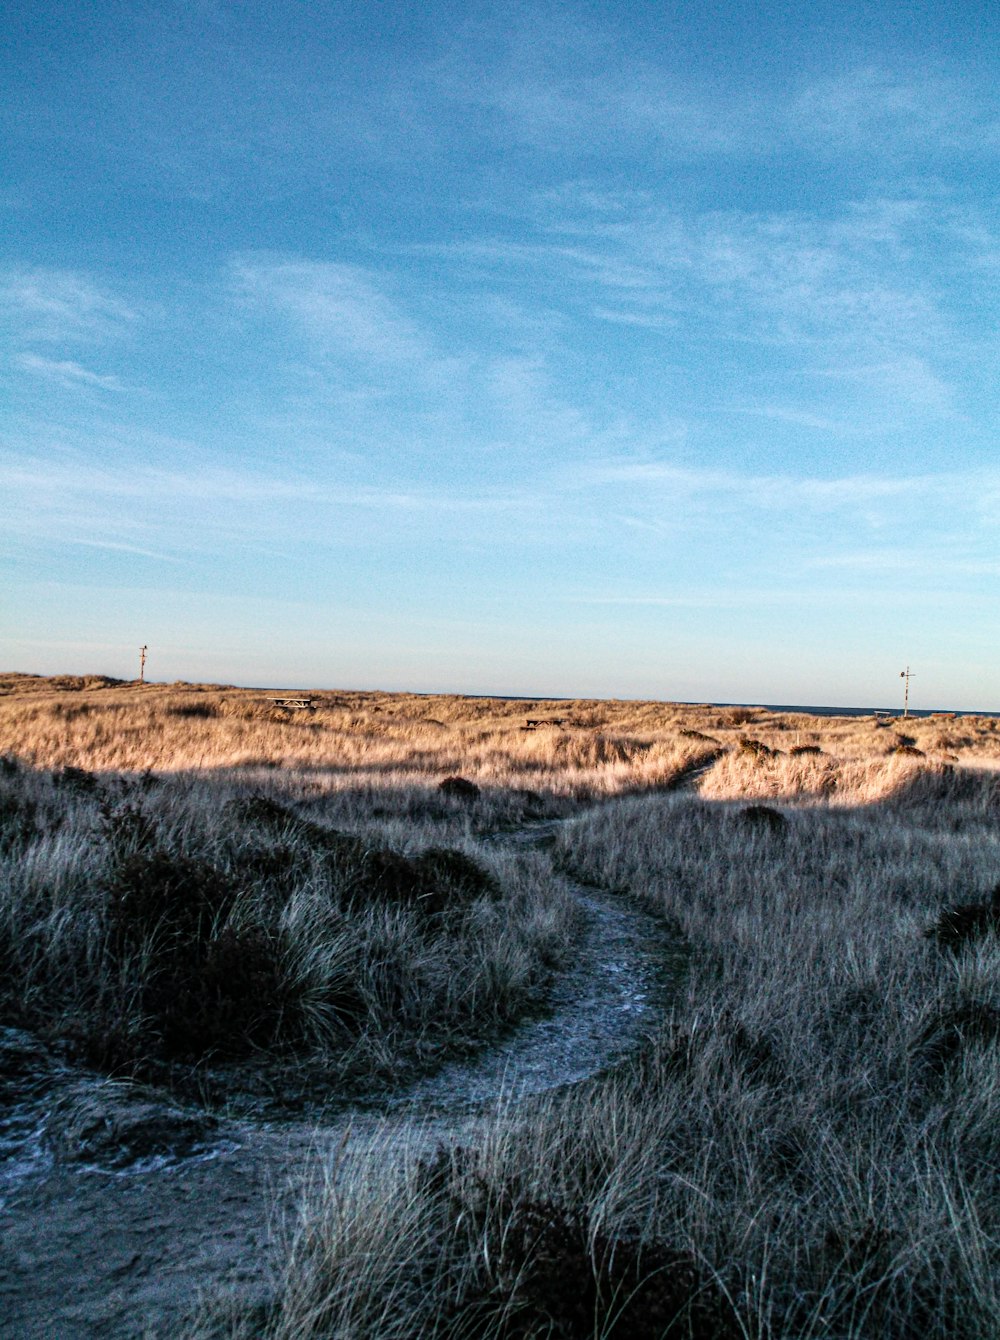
67 372
59 305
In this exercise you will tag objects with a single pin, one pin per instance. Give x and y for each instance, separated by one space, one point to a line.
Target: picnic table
294 702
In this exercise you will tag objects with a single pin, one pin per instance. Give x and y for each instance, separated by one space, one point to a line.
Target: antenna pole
142 663
905 676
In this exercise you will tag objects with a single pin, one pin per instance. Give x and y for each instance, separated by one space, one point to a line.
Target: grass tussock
807 1147
164 929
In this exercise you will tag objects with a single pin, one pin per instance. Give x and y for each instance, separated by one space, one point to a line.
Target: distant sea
860 711
767 707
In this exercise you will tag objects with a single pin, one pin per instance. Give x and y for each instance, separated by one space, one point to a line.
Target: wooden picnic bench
532 723
295 703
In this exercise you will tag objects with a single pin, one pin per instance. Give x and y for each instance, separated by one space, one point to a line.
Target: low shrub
459 788
959 925
77 780
553 1270
155 894
18 826
763 818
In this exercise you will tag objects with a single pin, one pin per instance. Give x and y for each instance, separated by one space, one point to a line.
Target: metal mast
905 676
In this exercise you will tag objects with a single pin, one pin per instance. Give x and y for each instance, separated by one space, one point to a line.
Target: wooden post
142 663
905 676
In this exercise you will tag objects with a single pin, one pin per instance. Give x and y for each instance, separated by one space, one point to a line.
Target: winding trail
123 1248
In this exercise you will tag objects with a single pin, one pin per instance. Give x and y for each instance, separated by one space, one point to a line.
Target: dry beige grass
809 1145
388 741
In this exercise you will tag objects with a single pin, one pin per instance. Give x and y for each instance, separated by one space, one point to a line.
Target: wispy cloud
48 479
46 304
960 490
878 110
341 309
67 372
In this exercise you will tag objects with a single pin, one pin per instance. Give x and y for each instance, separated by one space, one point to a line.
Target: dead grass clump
698 735
738 716
802 750
907 751
756 748
458 788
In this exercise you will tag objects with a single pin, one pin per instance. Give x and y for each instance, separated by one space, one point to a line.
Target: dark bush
157 893
77 780
800 750
278 866
18 824
436 882
959 925
459 788
699 735
261 812
128 830
225 996
908 751
263 815
763 818
560 1279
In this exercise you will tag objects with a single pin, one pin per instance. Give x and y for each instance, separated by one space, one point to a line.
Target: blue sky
580 349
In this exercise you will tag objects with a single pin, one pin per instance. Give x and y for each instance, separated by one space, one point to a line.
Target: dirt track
122 1242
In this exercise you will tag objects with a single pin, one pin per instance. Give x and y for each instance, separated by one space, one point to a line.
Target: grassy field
808 1145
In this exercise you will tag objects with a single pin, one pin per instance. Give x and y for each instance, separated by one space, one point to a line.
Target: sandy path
95 1250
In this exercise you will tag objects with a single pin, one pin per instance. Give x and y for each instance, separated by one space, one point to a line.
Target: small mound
459 788
763 818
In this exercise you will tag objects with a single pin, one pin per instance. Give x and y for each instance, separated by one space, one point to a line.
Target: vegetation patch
756 748
763 818
967 922
459 788
163 933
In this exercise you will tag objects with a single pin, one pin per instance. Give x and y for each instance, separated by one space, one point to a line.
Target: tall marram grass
385 742
807 1147
166 928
